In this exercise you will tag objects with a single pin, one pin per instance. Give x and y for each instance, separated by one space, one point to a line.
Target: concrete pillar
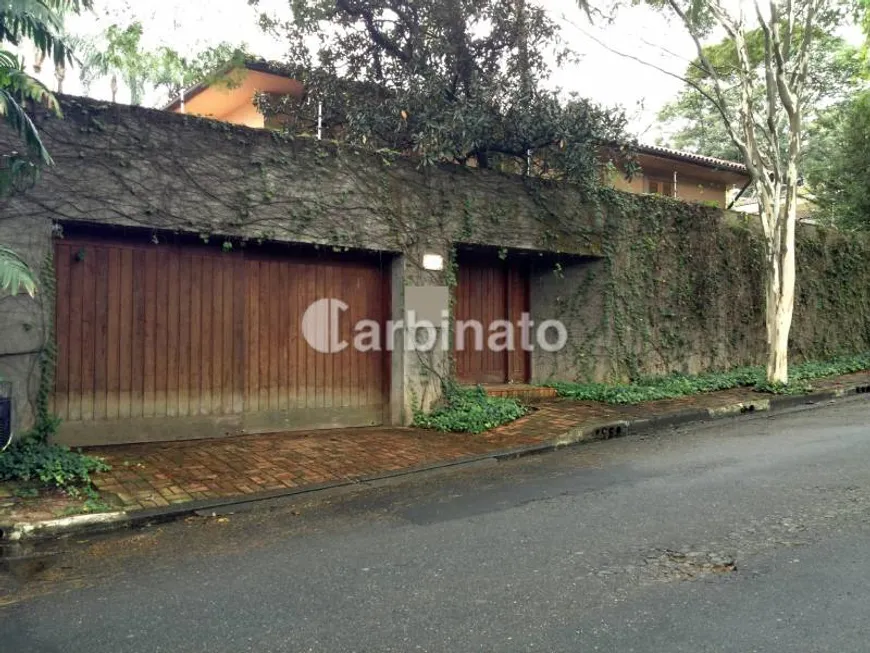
416 375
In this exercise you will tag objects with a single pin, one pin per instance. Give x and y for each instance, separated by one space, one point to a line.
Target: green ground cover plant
31 461
470 410
683 385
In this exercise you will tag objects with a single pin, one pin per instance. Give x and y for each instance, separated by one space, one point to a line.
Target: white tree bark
779 282
756 133
60 75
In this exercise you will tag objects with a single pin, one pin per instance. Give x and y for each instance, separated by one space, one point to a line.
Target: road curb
53 527
102 522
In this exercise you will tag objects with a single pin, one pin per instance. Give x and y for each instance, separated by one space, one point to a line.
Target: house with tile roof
683 175
663 171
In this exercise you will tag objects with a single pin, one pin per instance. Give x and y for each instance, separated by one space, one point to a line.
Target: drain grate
612 431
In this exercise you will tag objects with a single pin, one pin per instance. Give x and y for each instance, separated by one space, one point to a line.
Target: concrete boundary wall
643 285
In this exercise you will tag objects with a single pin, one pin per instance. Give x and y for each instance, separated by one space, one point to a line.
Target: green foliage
119 53
838 161
169 70
46 426
862 18
669 270
834 367
125 57
15 274
697 123
459 81
467 410
682 385
40 23
791 388
697 126
656 388
16 88
28 459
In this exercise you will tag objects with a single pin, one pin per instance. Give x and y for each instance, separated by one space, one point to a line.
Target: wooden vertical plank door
183 331
489 291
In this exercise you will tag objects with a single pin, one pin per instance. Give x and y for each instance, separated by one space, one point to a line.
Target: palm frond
15 80
15 274
17 119
41 22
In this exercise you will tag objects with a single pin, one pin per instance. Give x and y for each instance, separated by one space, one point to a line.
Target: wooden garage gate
489 289
177 341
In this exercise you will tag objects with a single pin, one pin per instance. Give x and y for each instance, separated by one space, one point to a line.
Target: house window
660 187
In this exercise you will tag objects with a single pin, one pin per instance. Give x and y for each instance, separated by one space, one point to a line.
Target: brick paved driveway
159 474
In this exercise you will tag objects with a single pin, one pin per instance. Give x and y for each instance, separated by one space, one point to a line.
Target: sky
600 75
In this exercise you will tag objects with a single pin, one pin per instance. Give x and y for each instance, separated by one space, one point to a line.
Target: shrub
29 459
470 411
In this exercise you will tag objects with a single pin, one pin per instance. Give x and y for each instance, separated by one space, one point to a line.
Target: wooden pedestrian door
489 292
148 332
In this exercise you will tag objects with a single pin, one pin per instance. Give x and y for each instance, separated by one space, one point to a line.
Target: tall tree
839 161
118 53
695 120
121 57
38 22
173 72
765 122
459 80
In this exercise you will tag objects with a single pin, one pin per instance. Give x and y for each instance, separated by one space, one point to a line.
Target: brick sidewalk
160 474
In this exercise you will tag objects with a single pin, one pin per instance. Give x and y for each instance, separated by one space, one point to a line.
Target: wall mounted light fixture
433 262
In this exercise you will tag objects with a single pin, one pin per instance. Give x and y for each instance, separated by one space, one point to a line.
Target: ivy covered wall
679 288
147 168
644 284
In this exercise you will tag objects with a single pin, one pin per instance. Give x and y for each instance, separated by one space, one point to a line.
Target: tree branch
770 89
721 104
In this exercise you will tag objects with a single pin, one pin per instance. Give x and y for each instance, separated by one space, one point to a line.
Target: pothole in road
691 564
665 565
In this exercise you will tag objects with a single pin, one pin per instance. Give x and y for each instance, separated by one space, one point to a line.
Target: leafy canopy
173 72
118 53
839 161
447 80
40 23
695 121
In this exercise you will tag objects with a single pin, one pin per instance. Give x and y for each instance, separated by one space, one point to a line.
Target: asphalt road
738 536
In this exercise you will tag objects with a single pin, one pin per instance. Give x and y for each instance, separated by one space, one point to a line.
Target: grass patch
682 385
470 410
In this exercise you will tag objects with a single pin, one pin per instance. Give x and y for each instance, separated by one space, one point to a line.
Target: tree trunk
60 75
114 87
779 290
39 58
523 51
463 59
